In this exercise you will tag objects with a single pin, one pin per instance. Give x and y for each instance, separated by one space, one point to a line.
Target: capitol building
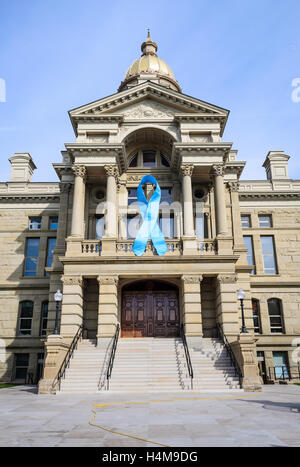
212 299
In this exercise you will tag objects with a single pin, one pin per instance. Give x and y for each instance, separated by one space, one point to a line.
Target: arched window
148 158
256 316
25 318
275 315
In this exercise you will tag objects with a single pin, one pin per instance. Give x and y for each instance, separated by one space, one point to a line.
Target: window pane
200 226
99 227
149 158
133 226
166 195
51 246
134 160
33 247
265 221
163 161
166 225
53 223
268 250
26 309
35 223
132 196
250 255
245 221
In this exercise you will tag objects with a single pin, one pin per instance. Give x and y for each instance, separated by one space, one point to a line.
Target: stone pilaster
108 308
226 304
72 306
189 238
62 224
191 311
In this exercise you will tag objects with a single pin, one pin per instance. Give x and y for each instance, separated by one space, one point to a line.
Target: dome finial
149 47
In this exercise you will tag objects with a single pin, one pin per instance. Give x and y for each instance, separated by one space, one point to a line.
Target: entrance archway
150 309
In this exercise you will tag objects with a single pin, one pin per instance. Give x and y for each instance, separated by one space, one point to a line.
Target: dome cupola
149 67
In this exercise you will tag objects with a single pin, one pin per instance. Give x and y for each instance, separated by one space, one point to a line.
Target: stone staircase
85 369
145 365
149 365
213 371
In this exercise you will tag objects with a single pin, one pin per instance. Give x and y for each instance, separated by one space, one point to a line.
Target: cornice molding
265 195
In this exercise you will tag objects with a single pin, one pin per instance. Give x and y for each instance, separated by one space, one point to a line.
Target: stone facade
93 259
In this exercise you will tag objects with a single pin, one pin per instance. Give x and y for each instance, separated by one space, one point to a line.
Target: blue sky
239 54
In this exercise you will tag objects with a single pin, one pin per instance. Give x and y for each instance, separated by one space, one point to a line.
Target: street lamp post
241 296
58 299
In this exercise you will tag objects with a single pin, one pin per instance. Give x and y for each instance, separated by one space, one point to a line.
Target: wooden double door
150 314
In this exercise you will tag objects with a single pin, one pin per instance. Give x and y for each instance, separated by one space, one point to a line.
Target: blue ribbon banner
149 211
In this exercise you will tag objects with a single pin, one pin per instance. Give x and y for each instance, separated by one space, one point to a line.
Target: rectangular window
268 250
35 223
44 319
166 195
50 248
53 223
32 256
265 221
248 242
99 227
133 225
132 195
21 366
275 315
149 158
246 221
166 225
256 316
25 318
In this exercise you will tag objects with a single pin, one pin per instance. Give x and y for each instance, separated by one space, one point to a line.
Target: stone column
188 217
108 309
72 306
220 204
227 312
111 200
55 351
237 231
78 201
191 312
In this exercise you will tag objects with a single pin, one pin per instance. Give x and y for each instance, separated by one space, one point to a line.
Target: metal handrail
230 353
112 355
187 355
68 356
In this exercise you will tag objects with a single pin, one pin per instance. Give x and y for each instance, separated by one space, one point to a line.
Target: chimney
22 167
276 165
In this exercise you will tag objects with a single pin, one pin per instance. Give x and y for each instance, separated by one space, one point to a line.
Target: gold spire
149 47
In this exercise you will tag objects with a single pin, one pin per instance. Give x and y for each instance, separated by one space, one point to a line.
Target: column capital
218 170
108 280
192 279
226 279
187 170
65 187
72 280
79 171
233 186
112 170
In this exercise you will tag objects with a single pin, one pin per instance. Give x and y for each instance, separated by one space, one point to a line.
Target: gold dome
149 64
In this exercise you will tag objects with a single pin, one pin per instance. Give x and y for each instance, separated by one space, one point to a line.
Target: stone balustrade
91 247
207 246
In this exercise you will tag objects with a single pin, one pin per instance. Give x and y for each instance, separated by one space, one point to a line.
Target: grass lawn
7 385
297 384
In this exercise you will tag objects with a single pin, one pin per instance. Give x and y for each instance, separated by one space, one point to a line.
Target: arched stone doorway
150 309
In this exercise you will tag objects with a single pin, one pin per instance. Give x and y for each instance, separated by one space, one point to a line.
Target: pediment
148 100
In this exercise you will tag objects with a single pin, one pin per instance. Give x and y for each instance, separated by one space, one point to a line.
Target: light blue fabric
149 211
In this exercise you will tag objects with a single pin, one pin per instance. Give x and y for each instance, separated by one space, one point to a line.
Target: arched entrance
150 309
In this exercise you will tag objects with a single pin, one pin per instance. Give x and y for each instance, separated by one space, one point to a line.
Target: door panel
150 314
